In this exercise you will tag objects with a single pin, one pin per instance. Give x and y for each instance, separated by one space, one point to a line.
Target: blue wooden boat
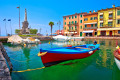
54 55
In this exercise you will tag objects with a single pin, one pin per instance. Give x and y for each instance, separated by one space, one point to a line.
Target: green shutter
85 25
65 23
65 28
91 25
75 16
80 21
69 17
95 25
72 17
118 12
81 27
65 18
69 28
72 22
72 28
80 33
69 22
81 15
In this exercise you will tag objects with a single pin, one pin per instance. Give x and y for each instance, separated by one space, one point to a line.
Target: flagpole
5 28
11 27
19 17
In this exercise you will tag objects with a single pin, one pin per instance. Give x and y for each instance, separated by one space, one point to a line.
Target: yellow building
109 22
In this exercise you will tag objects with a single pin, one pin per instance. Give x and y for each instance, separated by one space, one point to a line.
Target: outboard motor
95 42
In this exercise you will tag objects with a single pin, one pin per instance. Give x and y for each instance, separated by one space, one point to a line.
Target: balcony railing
72 30
106 26
73 24
90 28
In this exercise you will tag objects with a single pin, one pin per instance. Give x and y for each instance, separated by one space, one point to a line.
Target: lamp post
59 23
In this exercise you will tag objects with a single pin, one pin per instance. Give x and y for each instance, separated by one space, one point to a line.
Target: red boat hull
56 57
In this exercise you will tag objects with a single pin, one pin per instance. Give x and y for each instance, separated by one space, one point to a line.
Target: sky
41 12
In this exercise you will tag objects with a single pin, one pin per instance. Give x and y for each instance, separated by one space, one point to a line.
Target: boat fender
69 45
90 52
117 47
119 51
41 54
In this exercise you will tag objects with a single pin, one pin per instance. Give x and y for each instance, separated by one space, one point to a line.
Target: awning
88 31
91 23
104 29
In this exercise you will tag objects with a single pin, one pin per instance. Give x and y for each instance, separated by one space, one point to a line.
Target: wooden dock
4 70
3 39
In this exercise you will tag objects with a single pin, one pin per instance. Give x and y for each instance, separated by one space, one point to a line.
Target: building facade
108 22
90 24
73 24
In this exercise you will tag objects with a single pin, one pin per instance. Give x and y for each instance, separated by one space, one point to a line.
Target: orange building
90 24
73 24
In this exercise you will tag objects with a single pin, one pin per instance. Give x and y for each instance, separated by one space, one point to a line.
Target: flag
18 7
4 20
9 19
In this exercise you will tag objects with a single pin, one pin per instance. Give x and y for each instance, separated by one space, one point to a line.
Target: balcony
110 17
70 30
75 24
90 28
106 26
101 19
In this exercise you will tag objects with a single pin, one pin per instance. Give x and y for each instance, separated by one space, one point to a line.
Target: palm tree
51 25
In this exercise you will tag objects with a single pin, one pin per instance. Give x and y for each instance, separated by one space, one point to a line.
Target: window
95 18
75 22
81 27
72 17
75 16
95 25
65 23
110 15
85 25
75 27
69 28
101 24
118 21
101 16
69 22
118 31
91 18
95 33
72 22
109 23
91 25
118 12
85 19
72 28
80 21
65 28
65 18
81 15
69 17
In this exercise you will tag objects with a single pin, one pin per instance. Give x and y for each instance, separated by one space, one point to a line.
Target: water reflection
99 66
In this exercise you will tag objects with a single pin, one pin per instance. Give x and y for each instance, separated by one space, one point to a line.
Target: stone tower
25 29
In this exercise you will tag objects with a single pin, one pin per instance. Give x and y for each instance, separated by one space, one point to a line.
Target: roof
76 14
90 13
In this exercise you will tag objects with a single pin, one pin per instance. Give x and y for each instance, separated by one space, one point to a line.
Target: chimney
113 6
89 12
93 11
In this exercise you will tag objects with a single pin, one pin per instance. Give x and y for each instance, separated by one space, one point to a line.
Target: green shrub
17 31
33 31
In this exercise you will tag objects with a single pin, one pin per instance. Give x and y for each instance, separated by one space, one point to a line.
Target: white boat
61 38
117 58
117 63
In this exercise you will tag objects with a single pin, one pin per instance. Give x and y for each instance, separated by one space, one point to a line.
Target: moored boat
61 38
56 55
117 58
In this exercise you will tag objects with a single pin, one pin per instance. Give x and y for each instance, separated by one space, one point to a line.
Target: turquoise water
99 66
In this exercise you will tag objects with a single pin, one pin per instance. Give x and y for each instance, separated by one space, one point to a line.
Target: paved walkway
115 38
4 70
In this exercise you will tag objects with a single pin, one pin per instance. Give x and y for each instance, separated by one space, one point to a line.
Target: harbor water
99 66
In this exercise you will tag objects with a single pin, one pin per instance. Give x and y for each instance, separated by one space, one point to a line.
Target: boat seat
91 47
83 48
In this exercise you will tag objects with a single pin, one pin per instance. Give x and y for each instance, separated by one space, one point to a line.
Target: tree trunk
51 31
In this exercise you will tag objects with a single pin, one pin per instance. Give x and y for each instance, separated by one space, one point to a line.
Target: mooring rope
29 70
